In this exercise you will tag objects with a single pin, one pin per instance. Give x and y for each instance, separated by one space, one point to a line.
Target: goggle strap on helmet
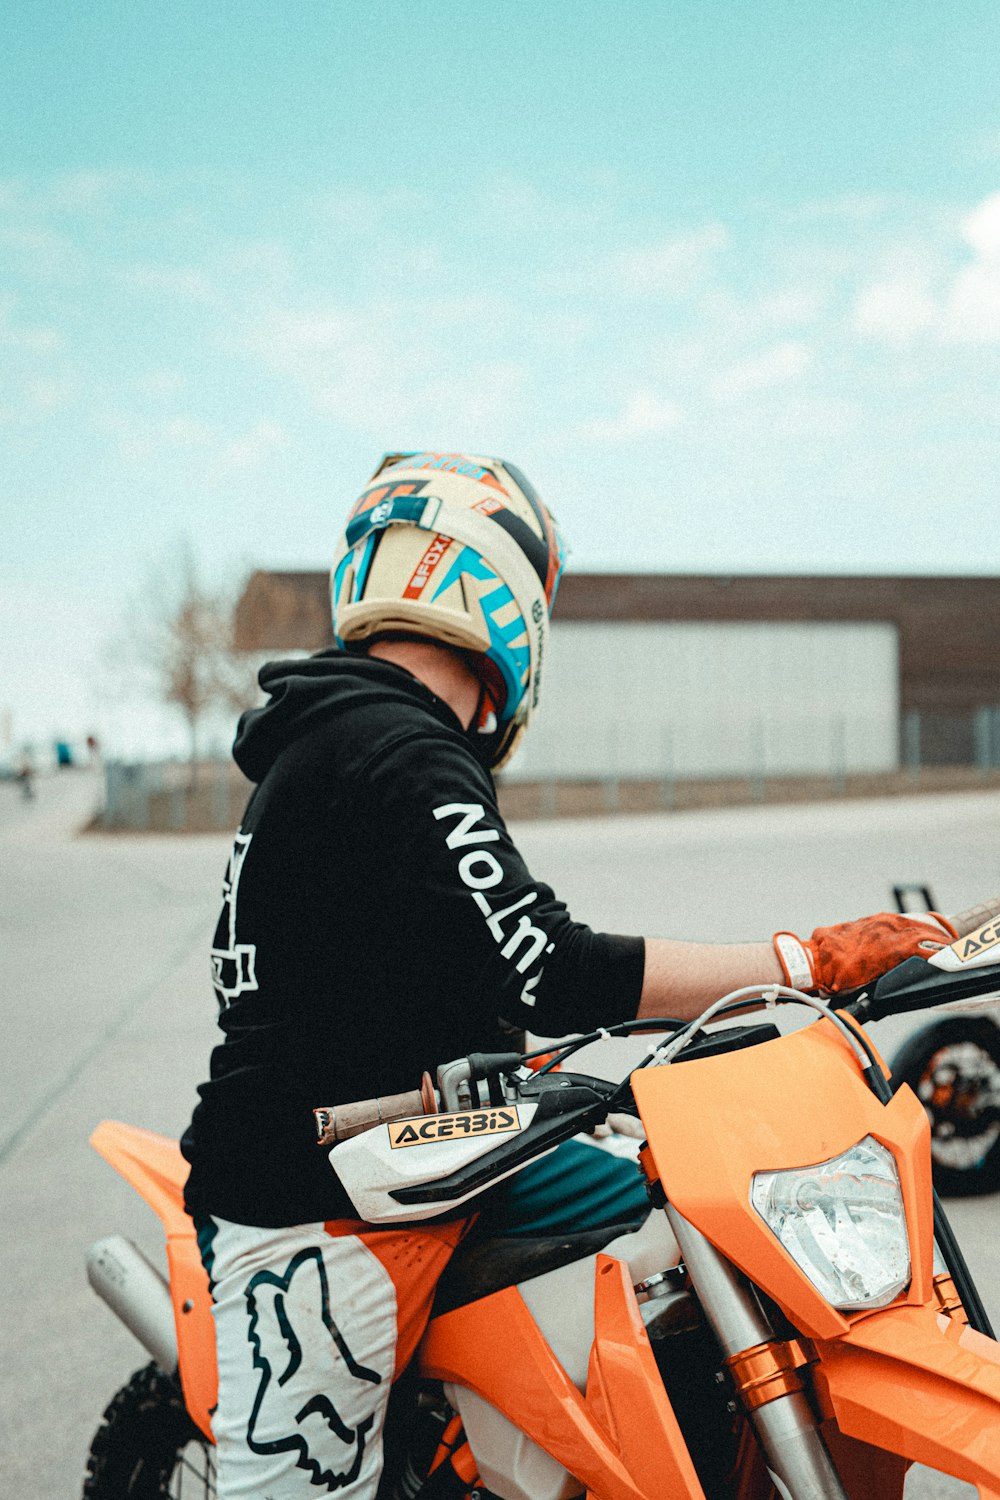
485 537
410 509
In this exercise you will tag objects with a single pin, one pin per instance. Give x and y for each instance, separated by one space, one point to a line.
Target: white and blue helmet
458 549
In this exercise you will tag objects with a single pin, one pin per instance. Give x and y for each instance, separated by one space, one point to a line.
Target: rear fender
153 1165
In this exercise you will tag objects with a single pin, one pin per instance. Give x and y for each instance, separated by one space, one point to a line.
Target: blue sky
723 279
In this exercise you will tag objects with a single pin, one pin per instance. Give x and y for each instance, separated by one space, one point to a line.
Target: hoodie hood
306 692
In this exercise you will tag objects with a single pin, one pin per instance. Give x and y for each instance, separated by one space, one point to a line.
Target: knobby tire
147 1447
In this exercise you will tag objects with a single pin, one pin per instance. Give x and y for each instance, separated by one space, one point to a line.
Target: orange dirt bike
793 1318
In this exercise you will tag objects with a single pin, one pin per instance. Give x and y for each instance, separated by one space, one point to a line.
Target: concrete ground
107 1012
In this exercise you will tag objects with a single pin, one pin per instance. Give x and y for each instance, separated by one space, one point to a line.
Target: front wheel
953 1068
147 1447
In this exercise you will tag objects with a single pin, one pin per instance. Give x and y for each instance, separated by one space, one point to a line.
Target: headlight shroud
843 1223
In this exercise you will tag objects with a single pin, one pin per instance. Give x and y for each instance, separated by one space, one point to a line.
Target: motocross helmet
460 550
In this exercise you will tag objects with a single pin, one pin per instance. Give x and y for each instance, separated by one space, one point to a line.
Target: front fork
773 1393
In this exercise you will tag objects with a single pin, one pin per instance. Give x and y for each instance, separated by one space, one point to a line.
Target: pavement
107 1013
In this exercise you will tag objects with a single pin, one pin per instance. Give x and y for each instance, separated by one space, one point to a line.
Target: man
377 920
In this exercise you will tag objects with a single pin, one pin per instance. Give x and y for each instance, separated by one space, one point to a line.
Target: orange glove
852 954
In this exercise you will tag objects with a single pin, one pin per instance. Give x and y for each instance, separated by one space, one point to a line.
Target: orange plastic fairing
622 1440
625 1389
153 1165
711 1127
919 1383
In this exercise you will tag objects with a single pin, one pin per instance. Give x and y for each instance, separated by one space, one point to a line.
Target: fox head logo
298 1350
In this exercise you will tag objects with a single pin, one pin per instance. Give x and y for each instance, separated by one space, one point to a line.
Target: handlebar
967 921
335 1123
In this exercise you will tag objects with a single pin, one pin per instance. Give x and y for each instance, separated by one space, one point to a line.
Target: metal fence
172 797
941 739
935 750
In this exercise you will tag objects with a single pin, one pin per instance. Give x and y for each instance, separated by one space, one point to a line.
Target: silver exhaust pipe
134 1289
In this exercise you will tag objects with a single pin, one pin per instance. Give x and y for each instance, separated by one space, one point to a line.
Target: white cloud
895 310
73 192
178 441
17 335
253 447
903 305
285 338
34 340
558 329
985 147
375 390
162 385
779 365
981 228
140 441
70 192
645 414
854 208
971 313
513 206
50 395
515 201
44 251
362 212
268 261
671 266
800 415
787 307
187 283
366 369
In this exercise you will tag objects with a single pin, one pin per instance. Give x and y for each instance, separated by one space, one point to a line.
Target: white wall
713 699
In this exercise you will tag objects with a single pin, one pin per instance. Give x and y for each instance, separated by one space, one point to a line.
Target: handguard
429 1164
971 964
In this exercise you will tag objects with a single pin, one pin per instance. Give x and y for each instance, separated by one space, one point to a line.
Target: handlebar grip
967 921
340 1122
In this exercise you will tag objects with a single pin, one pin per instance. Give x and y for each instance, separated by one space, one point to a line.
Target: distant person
25 775
93 749
64 754
378 919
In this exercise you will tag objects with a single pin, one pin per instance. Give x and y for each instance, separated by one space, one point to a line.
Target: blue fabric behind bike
575 1187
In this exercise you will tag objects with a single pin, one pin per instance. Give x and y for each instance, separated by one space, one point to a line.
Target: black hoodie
377 920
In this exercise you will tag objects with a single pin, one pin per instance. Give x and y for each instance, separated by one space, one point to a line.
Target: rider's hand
852 954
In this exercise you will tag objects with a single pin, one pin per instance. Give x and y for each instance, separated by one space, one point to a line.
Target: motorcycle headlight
843 1224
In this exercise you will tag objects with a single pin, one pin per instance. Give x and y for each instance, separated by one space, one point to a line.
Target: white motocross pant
313 1324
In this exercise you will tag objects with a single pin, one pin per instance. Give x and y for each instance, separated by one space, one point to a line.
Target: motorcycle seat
483 1265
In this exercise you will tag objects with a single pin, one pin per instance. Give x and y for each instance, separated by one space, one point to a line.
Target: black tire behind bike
953 1067
147 1447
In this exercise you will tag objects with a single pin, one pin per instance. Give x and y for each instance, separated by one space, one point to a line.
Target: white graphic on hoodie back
232 966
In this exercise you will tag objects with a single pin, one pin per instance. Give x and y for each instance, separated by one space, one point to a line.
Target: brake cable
766 996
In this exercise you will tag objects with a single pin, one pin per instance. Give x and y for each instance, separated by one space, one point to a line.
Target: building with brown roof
755 659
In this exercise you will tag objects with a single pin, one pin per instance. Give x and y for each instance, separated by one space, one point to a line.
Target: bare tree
180 637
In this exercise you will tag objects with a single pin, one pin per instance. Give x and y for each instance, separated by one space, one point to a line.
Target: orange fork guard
153 1165
914 1381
